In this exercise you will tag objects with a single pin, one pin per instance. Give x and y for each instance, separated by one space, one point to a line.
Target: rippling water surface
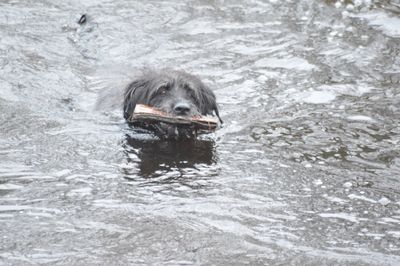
306 169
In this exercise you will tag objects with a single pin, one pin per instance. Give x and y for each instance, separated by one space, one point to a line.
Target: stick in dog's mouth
153 117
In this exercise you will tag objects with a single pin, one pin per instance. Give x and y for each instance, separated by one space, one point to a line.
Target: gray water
305 170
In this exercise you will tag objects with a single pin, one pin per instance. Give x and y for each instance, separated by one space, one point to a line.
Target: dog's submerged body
176 93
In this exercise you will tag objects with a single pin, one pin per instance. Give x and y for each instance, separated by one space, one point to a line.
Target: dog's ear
208 103
217 113
135 93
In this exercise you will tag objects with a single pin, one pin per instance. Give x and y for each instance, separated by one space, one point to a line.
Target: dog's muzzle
171 131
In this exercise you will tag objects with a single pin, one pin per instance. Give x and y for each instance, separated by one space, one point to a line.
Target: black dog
174 92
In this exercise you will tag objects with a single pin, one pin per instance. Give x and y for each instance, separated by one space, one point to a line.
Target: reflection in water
155 157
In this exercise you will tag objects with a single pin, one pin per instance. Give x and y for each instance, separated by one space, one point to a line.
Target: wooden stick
148 114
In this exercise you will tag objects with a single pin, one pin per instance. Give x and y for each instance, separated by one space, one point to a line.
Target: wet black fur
166 88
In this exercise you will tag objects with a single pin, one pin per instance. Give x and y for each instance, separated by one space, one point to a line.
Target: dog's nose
182 108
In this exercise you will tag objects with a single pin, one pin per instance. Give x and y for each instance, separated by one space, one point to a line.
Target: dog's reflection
154 157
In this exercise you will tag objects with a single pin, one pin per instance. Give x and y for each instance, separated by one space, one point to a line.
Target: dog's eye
190 91
193 96
163 89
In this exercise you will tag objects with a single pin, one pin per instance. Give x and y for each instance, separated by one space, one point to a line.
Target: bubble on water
358 2
350 7
384 201
338 4
318 182
367 3
333 33
348 184
262 79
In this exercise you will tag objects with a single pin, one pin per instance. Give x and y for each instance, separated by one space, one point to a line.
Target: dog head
174 92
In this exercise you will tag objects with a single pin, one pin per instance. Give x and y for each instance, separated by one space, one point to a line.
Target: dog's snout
182 108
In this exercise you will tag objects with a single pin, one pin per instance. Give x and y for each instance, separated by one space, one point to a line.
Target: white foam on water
341 215
327 93
358 197
395 234
387 24
318 97
296 63
10 187
360 118
199 27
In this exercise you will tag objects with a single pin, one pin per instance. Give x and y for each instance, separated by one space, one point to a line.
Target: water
306 169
